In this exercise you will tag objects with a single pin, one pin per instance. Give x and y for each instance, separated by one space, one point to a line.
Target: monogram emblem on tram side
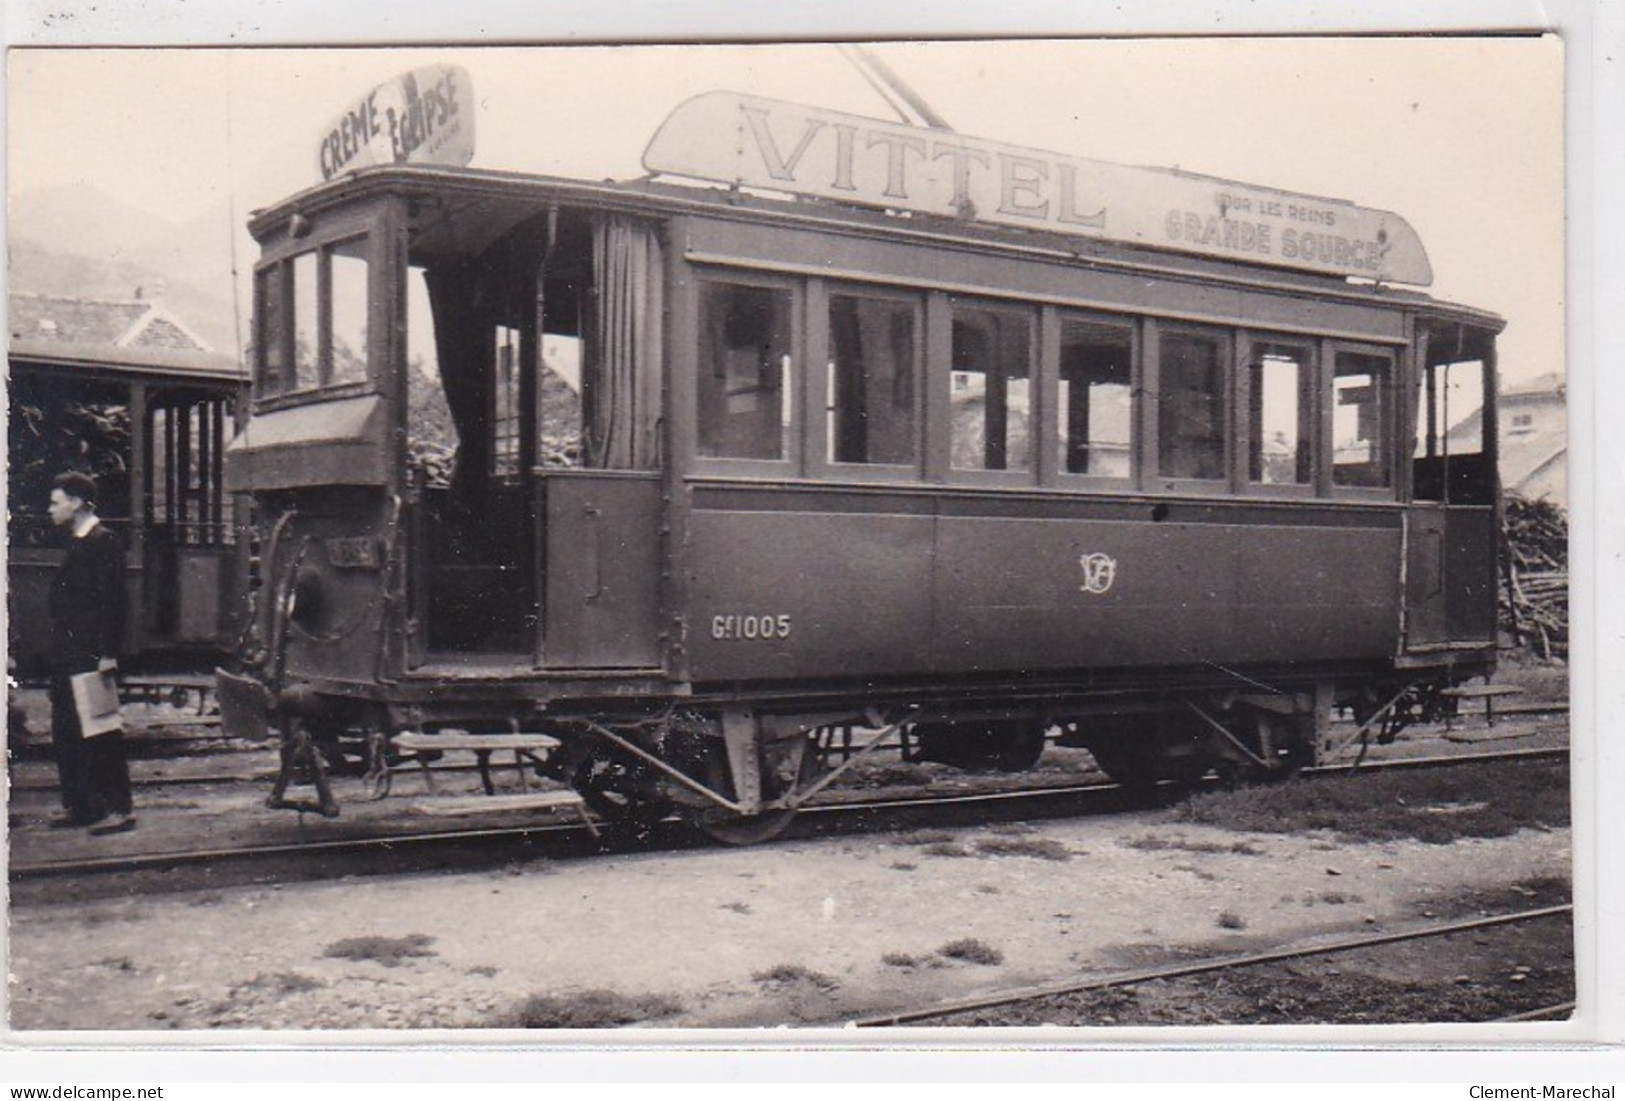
1099 571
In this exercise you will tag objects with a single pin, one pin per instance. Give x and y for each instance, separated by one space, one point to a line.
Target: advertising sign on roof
425 116
762 143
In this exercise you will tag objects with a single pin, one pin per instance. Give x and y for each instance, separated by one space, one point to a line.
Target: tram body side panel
603 569
896 595
1471 573
1045 594
336 626
809 594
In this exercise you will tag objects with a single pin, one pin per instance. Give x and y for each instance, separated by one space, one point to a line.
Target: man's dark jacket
88 601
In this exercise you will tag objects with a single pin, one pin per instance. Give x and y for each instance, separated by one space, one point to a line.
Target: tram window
270 330
1191 405
306 322
505 402
871 381
1280 415
1451 459
562 383
312 319
991 390
348 267
744 375
1361 421
1451 416
1096 399
61 421
431 432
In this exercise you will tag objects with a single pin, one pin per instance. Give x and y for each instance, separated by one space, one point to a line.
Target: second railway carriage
150 420
891 430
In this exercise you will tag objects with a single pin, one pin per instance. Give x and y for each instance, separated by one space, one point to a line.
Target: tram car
121 390
835 425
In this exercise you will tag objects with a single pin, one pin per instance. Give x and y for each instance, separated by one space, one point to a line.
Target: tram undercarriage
739 773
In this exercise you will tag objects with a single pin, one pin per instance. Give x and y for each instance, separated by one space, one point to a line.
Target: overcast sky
1462 137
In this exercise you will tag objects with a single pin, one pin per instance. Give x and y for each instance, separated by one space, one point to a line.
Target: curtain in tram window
460 334
621 391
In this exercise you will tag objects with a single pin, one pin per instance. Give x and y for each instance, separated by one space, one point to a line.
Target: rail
1202 967
401 848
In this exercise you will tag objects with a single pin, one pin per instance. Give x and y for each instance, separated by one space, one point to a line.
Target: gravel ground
795 933
801 932
191 815
1476 976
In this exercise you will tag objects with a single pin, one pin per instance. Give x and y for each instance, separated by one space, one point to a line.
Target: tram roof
167 364
498 199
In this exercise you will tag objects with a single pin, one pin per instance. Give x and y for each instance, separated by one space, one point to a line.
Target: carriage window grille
744 377
1191 407
185 500
870 389
1096 399
1280 415
1362 421
991 390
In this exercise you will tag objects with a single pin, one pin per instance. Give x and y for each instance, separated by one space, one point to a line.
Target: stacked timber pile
1535 593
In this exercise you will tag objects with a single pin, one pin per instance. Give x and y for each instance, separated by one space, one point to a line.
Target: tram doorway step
1486 692
528 750
551 801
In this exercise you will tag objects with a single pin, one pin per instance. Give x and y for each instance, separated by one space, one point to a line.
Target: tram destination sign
724 137
425 116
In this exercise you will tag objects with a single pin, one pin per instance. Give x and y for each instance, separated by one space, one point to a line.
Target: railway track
140 783
267 772
313 858
1052 996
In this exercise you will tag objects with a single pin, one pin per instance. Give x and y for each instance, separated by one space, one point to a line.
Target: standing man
88 602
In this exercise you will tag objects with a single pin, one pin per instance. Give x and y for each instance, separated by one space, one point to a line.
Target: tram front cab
454 453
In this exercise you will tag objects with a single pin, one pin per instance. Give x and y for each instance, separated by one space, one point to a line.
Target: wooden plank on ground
454 806
1482 691
481 743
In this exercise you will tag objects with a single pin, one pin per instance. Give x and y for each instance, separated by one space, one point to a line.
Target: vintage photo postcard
1002 541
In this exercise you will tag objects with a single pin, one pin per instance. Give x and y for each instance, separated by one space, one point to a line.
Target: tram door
1452 522
469 443
187 542
539 515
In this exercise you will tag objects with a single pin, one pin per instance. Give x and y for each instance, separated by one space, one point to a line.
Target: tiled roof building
137 322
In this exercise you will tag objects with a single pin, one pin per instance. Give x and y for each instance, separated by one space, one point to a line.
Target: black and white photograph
1036 538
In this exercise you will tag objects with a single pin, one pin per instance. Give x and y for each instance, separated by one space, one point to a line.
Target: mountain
80 241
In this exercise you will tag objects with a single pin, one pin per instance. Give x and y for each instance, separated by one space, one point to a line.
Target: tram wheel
791 765
1138 754
624 792
1135 766
1011 745
1021 743
1286 741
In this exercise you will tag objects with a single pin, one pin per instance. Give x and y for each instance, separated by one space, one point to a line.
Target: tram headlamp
311 608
